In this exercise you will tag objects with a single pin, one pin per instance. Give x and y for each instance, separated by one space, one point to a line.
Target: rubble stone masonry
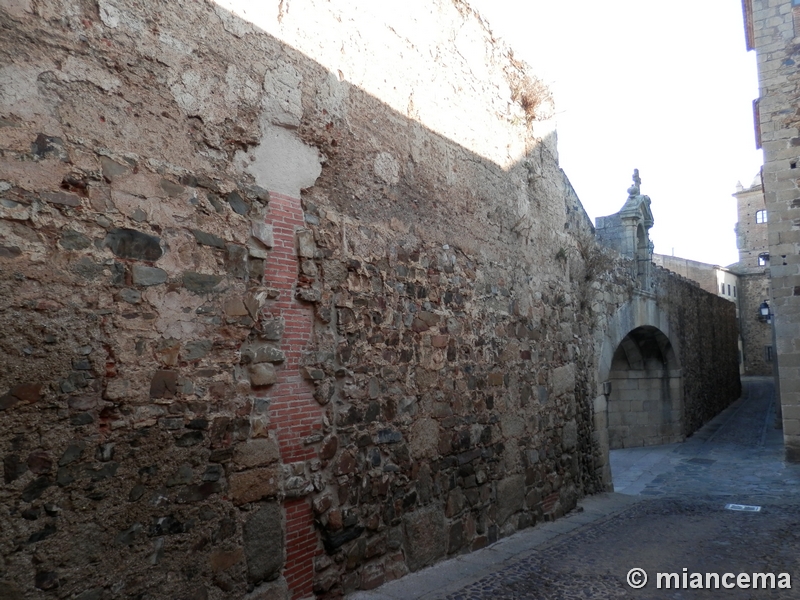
284 315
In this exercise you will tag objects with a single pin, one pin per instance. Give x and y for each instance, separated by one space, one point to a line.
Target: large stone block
255 484
563 379
256 453
510 496
129 243
306 246
569 435
256 352
424 536
424 438
262 374
263 543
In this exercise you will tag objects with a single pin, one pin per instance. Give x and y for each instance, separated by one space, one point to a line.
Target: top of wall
435 62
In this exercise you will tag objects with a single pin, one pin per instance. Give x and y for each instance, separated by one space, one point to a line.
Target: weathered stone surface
569 435
200 283
234 307
424 438
424 536
208 239
13 467
259 452
25 392
510 496
129 243
72 453
262 374
62 198
10 592
238 204
112 169
144 275
259 353
46 580
36 488
171 188
263 542
255 484
329 447
164 384
196 350
563 379
388 436
272 590
263 233
222 560
191 438
39 462
73 240
306 247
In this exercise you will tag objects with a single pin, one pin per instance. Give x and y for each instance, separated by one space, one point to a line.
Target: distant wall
701 273
756 334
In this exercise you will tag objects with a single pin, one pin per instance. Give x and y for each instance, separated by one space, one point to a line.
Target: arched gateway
645 398
640 381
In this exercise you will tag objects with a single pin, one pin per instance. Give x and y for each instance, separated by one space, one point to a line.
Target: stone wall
756 334
703 274
771 28
268 330
705 328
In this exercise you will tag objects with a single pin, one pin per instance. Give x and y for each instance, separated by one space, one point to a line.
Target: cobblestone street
668 514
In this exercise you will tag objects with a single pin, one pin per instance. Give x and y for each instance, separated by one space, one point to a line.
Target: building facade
772 28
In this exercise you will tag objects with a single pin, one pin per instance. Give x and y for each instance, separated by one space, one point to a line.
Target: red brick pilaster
294 414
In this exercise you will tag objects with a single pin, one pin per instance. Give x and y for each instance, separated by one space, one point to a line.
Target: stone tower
771 29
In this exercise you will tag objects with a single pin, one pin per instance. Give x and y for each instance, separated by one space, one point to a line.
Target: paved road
668 513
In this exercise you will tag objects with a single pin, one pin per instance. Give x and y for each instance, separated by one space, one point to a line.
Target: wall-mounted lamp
764 314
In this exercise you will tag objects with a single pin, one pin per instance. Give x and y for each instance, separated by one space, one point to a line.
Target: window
734 291
722 289
763 259
761 216
729 289
768 353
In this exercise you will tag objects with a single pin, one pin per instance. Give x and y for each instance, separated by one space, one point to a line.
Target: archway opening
645 402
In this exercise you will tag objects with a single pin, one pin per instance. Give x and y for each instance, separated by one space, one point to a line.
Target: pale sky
665 87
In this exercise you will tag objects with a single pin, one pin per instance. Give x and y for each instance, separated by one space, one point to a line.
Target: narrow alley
674 509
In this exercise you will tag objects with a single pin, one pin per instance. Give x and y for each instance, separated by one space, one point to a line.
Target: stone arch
644 399
639 375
